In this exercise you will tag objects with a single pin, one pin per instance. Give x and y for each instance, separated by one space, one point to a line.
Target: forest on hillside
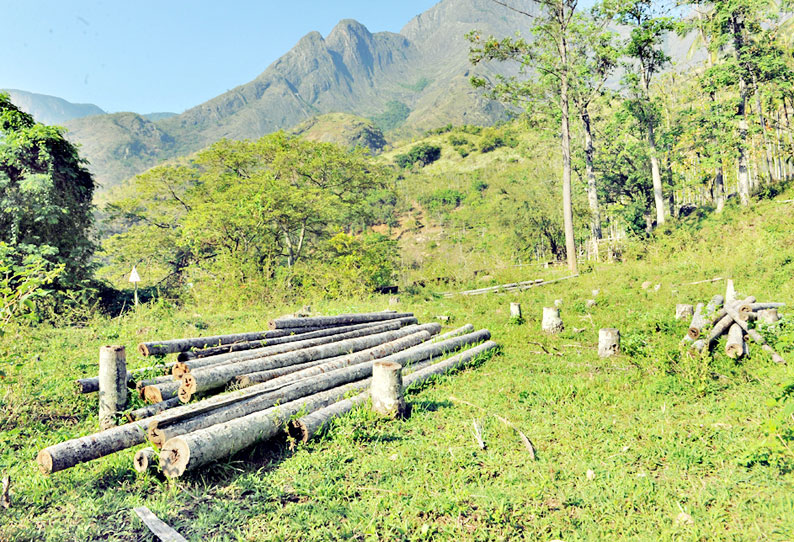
608 139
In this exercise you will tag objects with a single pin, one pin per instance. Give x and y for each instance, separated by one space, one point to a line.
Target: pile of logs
727 315
249 385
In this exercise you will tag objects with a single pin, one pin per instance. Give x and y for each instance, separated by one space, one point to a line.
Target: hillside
652 444
51 109
343 129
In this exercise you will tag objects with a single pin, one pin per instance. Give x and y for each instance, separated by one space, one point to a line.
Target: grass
665 435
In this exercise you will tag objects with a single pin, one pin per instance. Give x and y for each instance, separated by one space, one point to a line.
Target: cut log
151 410
311 339
735 347
308 425
191 450
730 292
112 384
91 384
318 367
515 311
144 459
768 316
299 334
141 384
386 389
221 375
742 306
714 305
697 324
684 311
552 323
468 328
758 339
158 348
608 342
762 306
341 320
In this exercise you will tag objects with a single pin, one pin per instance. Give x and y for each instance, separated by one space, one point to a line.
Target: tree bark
182 345
311 339
716 302
151 410
214 377
683 311
112 384
551 323
386 389
307 426
341 320
567 205
468 328
608 342
735 346
697 324
592 189
144 459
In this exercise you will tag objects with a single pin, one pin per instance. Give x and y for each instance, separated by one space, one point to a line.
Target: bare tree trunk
592 192
744 174
567 206
762 122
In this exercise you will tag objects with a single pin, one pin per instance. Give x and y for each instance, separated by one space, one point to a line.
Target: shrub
422 154
442 199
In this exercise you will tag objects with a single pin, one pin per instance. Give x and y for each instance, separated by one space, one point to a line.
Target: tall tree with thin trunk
552 27
644 49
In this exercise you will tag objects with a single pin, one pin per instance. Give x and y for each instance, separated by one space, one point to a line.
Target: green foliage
45 195
422 154
395 114
443 199
22 281
240 211
492 139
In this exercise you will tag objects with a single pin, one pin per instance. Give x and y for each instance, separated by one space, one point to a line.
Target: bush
458 140
22 281
442 199
422 154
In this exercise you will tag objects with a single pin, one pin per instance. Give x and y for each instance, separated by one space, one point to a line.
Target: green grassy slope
665 435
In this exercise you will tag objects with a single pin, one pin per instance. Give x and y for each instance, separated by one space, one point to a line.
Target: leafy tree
644 47
422 154
549 56
22 281
45 195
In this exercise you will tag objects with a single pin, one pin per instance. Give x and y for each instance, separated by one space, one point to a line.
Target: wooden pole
144 459
157 527
735 346
387 389
730 292
112 384
515 312
340 320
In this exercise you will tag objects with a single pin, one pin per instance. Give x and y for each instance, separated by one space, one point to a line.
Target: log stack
222 402
731 316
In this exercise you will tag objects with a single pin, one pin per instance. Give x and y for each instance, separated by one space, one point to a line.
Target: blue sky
167 55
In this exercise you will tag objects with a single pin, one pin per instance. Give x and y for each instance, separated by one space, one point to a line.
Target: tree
549 57
644 46
45 195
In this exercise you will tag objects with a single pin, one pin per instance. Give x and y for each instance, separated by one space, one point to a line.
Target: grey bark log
697 324
318 367
112 384
144 459
684 311
214 377
182 345
763 306
312 339
715 304
307 426
758 339
468 328
730 292
608 342
299 334
552 323
341 320
91 384
744 305
386 389
151 410
768 316
735 345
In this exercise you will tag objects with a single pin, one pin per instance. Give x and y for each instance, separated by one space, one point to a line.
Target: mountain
406 82
50 109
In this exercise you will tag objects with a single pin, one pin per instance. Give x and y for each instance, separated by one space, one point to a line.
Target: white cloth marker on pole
135 279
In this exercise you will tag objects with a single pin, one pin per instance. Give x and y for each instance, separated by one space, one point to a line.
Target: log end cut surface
174 458
44 459
298 431
152 394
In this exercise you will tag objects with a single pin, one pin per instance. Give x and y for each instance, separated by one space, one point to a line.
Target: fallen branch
527 443
5 497
478 434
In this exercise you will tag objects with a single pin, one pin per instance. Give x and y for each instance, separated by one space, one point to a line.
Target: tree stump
768 316
647 284
144 459
515 312
590 303
596 292
684 311
608 342
552 323
558 302
387 389
394 300
112 384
